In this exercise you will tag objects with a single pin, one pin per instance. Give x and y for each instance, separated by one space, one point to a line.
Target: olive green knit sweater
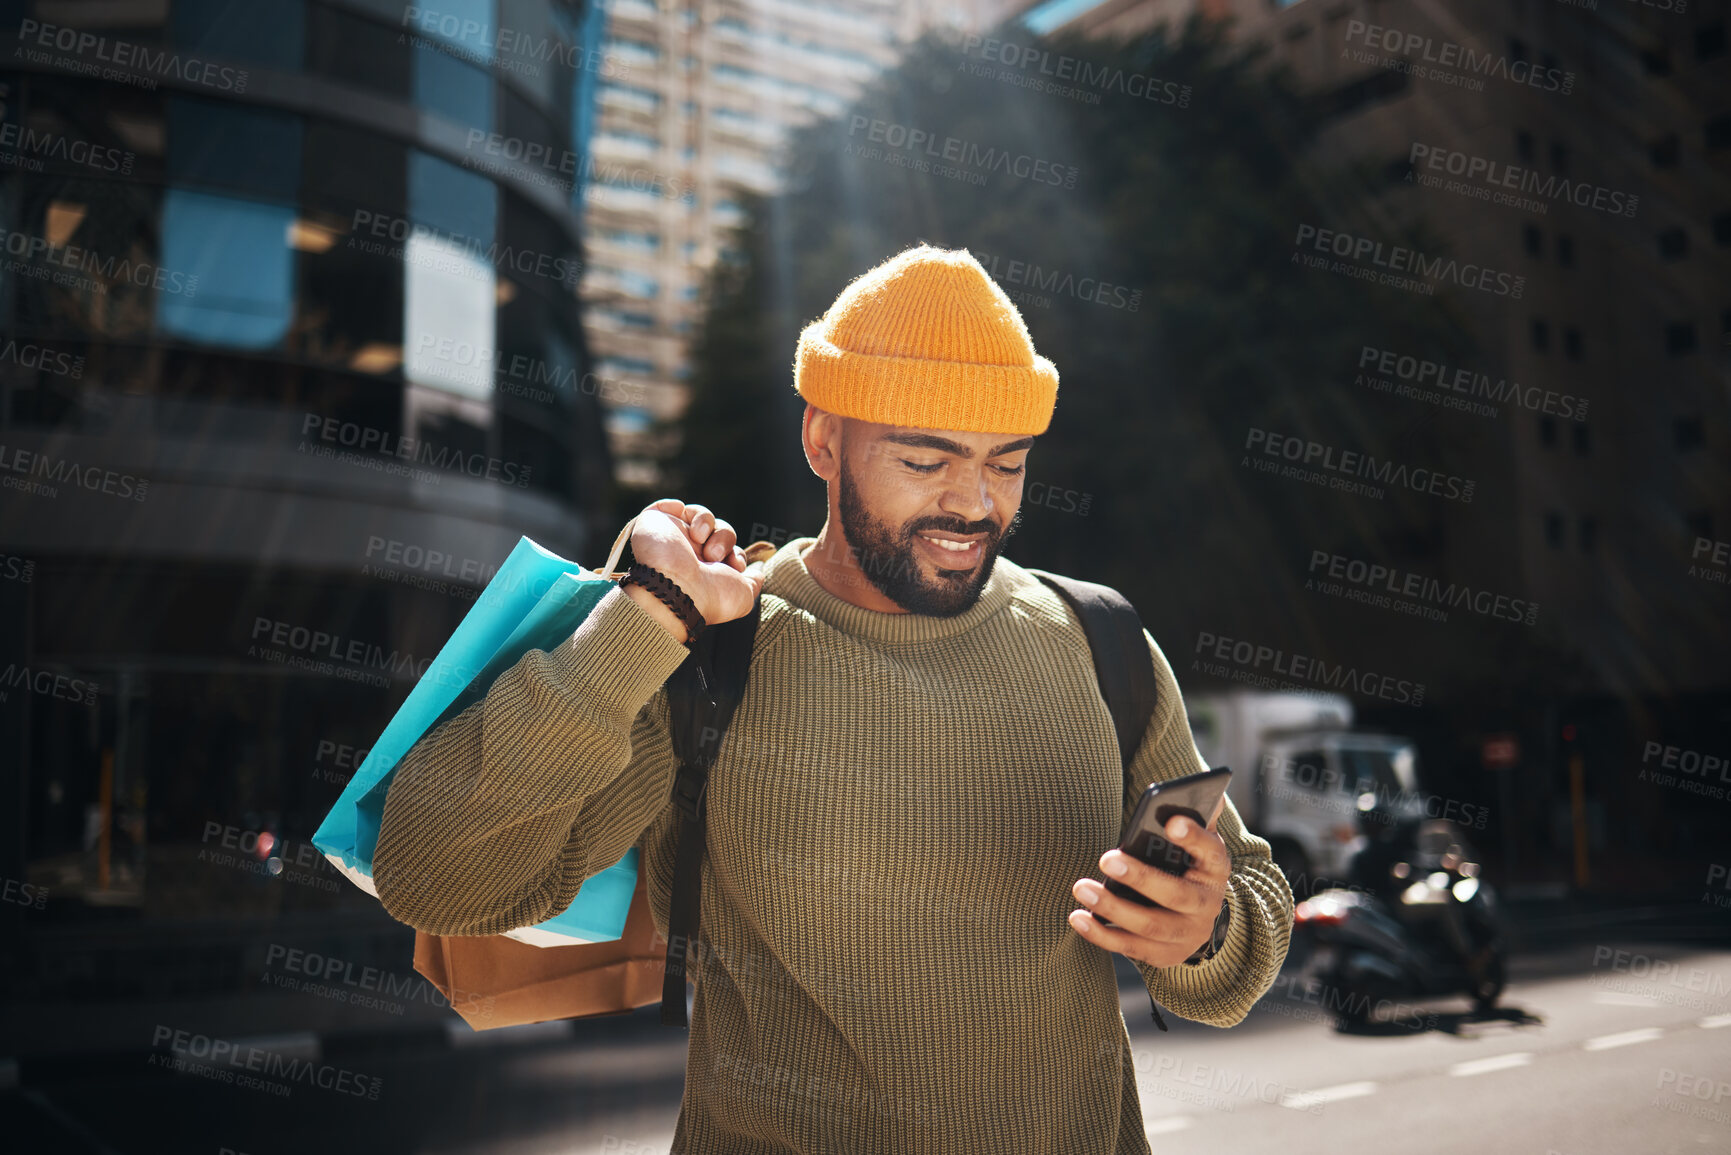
896 817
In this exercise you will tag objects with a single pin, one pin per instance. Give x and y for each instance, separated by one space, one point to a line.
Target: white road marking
1712 1021
1622 1038
1169 1124
1304 1100
1493 1063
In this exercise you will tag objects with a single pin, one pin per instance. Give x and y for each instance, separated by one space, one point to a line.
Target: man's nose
969 498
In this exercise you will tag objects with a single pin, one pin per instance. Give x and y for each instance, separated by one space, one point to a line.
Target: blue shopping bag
534 602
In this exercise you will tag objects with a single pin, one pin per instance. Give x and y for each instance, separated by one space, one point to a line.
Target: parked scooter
1417 920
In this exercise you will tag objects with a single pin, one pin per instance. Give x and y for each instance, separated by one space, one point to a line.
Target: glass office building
292 356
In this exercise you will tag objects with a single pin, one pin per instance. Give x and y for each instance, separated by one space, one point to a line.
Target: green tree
1188 204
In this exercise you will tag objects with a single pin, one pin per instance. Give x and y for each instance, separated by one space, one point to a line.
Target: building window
1719 133
1583 440
237 246
1540 332
1680 338
635 284
1690 432
641 240
1526 146
245 272
273 33
449 285
1350 97
629 366
453 88
1534 240
1572 343
1548 431
631 52
1667 151
1565 250
1589 532
1554 530
1673 244
1710 41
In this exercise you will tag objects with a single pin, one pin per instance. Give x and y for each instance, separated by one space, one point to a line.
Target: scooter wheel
1490 986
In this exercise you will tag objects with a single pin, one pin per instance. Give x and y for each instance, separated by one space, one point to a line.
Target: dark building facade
1584 148
292 356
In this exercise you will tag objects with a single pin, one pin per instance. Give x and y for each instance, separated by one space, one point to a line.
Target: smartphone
1193 796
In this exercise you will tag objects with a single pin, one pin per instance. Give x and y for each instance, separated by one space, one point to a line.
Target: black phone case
1145 840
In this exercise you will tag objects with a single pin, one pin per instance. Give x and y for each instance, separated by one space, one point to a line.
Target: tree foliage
1142 480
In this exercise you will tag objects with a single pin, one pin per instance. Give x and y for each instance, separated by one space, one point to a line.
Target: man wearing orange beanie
912 797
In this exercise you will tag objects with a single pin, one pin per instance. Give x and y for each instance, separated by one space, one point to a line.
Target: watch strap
1209 949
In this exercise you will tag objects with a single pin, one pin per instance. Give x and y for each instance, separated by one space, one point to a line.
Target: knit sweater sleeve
496 818
1221 991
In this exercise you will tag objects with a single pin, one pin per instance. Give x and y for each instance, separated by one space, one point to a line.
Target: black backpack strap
1121 661
1123 667
702 695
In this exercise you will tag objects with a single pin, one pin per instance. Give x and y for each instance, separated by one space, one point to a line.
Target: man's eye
1007 471
922 468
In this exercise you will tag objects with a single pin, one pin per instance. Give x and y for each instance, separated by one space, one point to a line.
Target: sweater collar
785 575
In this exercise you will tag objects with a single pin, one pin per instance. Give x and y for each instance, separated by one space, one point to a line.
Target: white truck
1301 777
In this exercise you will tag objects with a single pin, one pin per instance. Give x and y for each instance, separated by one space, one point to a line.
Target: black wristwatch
1209 949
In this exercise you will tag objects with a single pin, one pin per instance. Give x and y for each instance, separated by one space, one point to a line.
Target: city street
1599 1048
573 469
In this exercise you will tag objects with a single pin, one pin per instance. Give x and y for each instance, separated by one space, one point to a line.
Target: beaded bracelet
668 592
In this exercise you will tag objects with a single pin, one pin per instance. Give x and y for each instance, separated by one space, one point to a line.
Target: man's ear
822 434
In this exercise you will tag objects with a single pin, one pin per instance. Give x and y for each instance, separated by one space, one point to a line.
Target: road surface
1598 1050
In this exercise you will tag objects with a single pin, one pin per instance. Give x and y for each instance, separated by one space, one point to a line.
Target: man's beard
888 559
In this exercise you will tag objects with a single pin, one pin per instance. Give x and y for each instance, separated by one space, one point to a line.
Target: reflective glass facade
290 361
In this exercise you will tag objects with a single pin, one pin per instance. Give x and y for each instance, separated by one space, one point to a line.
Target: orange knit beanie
927 339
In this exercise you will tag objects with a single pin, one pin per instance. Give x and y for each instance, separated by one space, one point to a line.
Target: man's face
906 491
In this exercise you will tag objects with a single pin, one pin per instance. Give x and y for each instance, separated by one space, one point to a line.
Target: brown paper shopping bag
494 981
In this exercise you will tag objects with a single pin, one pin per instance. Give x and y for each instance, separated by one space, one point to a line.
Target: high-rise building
292 356
695 107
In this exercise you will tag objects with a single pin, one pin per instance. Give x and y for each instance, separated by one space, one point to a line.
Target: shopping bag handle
755 552
607 570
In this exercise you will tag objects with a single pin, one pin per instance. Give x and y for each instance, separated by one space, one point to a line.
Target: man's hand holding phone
1149 934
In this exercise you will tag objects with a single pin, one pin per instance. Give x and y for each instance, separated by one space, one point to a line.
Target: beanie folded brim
965 396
